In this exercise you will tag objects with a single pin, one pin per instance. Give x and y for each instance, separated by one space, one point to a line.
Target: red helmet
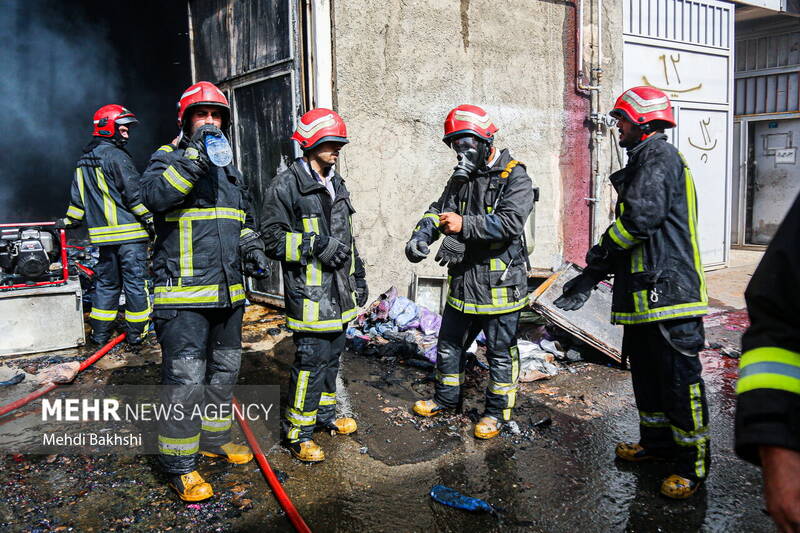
468 119
641 105
318 126
203 93
106 118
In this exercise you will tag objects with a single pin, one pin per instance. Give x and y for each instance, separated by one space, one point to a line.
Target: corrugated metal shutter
768 74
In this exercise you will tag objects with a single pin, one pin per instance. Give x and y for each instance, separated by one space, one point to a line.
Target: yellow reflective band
293 434
173 446
653 419
185 250
514 351
691 200
139 210
79 178
314 267
236 292
166 148
328 398
310 311
502 388
206 213
109 207
769 367
496 265
105 315
506 414
320 326
621 236
245 232
499 296
119 237
485 309
75 212
489 209
349 315
433 216
181 184
199 294
299 418
137 316
451 380
293 243
300 391
686 310
215 425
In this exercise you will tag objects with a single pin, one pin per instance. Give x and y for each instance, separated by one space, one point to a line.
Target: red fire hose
294 516
86 363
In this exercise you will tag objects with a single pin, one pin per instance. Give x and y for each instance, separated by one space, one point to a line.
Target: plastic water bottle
218 149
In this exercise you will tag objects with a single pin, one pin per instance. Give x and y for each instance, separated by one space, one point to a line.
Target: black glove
575 293
332 252
150 227
196 151
61 223
416 250
256 264
362 291
451 252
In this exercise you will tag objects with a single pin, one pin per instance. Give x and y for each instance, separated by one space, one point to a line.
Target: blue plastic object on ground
453 498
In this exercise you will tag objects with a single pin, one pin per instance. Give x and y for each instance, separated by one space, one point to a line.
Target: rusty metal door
775 174
684 49
250 49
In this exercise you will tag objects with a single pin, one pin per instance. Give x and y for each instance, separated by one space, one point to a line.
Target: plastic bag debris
453 498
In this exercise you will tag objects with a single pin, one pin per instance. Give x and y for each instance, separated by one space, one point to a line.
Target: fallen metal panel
591 323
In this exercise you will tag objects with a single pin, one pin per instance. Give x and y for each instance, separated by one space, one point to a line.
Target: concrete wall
401 66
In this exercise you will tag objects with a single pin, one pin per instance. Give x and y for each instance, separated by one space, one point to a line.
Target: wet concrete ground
556 478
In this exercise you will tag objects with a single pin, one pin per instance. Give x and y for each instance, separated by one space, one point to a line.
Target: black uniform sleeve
128 182
168 178
507 220
768 404
280 242
76 210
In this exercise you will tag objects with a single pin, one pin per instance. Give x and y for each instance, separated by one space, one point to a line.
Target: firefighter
309 229
660 295
205 239
768 404
105 195
482 212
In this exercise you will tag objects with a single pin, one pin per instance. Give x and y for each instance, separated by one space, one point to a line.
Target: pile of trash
396 326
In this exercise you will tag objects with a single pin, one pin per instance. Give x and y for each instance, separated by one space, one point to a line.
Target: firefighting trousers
312 383
457 333
669 391
201 354
121 267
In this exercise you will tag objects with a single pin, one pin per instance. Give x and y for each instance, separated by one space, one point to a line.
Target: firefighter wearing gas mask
481 213
660 295
205 241
105 196
309 230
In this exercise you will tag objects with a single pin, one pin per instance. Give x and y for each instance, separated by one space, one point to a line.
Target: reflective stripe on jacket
495 204
768 403
318 299
105 196
652 247
202 220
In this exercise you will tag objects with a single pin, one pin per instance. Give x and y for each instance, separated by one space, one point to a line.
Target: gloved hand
196 151
362 291
416 250
199 133
331 251
150 227
255 264
451 252
575 293
61 223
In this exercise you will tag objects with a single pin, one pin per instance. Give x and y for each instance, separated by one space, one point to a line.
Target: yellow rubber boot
345 426
635 453
307 451
191 487
234 453
427 407
678 487
487 428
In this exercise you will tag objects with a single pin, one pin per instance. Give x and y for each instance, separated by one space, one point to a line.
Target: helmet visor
129 120
464 143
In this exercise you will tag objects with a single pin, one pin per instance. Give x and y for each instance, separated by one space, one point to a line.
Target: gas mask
471 152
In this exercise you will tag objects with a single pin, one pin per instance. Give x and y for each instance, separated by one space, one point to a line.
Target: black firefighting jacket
768 405
494 205
318 298
652 247
105 195
203 221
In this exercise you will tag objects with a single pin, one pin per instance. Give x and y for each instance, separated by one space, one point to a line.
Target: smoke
60 62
